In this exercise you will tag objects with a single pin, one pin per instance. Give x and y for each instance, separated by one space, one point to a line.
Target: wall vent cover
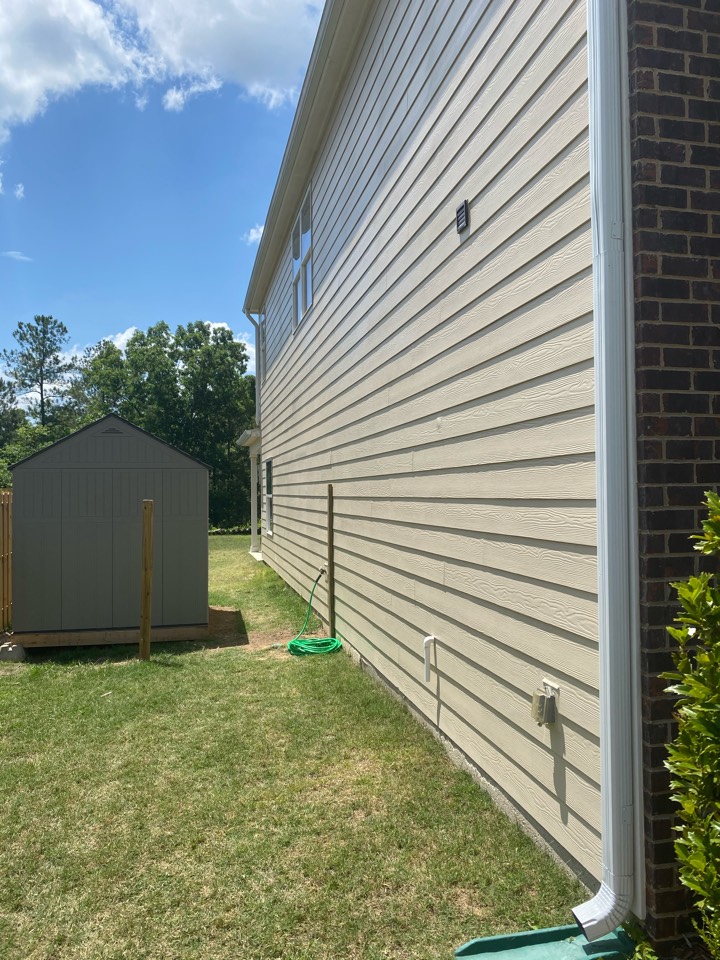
462 217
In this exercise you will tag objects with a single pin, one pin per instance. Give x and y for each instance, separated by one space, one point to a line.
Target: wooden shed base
74 638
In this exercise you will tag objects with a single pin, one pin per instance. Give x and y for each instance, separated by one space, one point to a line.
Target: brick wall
674 51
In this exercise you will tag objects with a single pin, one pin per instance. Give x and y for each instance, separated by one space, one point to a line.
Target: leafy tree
152 391
11 417
189 388
217 405
100 384
36 365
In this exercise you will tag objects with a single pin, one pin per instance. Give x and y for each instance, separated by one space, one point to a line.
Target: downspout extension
615 469
258 372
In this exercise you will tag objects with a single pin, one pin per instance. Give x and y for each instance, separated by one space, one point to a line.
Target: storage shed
77 526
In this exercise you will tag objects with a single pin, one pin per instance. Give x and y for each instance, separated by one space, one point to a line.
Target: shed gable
110 442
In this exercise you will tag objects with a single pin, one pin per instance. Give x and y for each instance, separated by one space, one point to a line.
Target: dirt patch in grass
226 627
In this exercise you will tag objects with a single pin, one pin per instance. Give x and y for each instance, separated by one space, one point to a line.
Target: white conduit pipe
426 656
615 463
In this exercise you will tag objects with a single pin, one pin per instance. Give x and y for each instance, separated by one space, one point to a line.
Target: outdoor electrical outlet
543 708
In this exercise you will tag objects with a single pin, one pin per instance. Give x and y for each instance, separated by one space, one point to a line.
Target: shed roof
52 448
339 33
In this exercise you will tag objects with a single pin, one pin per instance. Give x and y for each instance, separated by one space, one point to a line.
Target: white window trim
299 277
269 514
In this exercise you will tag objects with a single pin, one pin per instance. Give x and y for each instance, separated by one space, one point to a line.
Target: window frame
302 264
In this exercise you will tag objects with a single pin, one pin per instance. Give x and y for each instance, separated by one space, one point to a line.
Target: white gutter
258 361
615 453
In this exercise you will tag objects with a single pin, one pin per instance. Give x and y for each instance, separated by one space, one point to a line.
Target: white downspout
617 528
258 361
254 545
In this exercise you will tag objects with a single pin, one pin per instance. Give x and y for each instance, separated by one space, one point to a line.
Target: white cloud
52 48
19 191
176 97
249 343
16 255
254 234
121 339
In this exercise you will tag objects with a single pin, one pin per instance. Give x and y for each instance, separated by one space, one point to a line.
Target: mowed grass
240 582
229 803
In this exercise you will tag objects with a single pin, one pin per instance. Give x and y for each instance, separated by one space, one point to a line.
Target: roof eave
338 34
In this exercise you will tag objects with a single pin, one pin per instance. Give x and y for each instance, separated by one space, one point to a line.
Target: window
302 262
268 497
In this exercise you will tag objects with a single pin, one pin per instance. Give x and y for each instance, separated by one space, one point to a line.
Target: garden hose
303 646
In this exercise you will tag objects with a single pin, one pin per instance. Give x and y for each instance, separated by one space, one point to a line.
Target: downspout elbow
608 908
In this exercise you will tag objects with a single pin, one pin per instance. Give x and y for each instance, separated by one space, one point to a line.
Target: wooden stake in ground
331 561
146 582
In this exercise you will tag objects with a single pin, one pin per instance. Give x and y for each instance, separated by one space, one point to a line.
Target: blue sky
139 151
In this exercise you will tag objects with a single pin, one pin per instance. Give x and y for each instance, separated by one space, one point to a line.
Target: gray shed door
130 489
86 571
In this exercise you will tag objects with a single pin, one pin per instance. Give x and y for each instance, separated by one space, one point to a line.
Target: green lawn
268 605
241 803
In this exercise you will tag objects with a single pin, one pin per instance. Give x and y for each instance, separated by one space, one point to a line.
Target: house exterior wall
78 530
443 383
675 130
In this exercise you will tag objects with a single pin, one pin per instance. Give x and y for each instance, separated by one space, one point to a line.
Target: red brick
685 267
671 173
680 39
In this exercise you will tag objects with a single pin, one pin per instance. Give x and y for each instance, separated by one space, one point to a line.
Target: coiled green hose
301 646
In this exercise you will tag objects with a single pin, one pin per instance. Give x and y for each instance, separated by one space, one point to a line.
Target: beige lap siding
444 384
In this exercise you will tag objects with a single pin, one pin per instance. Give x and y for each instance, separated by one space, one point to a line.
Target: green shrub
243 529
694 757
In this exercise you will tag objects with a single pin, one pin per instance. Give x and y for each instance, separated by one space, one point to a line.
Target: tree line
189 388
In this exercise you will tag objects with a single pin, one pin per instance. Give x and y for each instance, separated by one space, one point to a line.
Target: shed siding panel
37 560
87 562
131 487
185 547
444 384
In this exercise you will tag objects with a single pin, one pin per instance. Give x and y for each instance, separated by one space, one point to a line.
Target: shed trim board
84 638
78 532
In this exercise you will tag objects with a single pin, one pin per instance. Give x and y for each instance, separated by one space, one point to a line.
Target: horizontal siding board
405 240
408 585
545 807
408 622
528 367
470 272
444 384
568 522
549 479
